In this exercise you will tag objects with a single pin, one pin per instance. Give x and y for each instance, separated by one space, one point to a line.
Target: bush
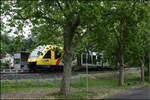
5 65
146 72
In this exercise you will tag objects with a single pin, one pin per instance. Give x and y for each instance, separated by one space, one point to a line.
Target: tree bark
121 76
68 50
142 69
142 72
65 85
68 35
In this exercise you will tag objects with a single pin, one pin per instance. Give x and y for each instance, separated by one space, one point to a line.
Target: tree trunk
69 32
65 85
68 50
142 72
121 76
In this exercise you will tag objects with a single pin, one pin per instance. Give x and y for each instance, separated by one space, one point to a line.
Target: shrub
5 65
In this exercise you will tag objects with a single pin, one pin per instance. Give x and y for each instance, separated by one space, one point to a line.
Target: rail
12 71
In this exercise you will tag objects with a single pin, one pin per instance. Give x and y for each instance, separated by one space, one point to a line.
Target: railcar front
45 57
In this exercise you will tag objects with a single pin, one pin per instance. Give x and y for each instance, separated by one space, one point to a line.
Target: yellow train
45 57
50 57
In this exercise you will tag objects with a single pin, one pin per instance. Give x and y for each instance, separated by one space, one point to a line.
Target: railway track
46 75
14 76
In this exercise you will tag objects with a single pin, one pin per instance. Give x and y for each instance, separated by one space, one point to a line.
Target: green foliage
147 71
5 41
46 35
5 65
12 45
48 18
120 25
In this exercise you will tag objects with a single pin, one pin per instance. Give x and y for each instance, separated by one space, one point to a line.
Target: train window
89 59
48 54
84 58
57 54
35 53
94 59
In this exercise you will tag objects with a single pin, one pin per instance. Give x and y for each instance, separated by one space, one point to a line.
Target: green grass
100 81
15 88
12 85
109 83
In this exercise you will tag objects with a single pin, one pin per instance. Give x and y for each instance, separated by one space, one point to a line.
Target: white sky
26 30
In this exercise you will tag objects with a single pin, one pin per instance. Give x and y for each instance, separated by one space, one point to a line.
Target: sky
26 29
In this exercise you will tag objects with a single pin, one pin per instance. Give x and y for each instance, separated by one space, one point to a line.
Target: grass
100 85
13 85
73 95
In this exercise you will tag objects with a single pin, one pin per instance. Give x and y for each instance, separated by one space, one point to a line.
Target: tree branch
51 19
80 38
117 37
61 8
75 24
48 19
72 27
21 17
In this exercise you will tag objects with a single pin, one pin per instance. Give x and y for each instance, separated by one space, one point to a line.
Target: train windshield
36 52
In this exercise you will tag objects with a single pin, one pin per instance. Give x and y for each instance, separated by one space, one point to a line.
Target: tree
138 47
72 19
19 43
5 41
120 21
138 50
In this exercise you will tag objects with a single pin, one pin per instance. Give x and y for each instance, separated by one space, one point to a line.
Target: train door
46 59
57 56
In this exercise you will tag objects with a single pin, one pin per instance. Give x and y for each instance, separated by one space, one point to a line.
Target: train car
45 57
50 57
92 60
